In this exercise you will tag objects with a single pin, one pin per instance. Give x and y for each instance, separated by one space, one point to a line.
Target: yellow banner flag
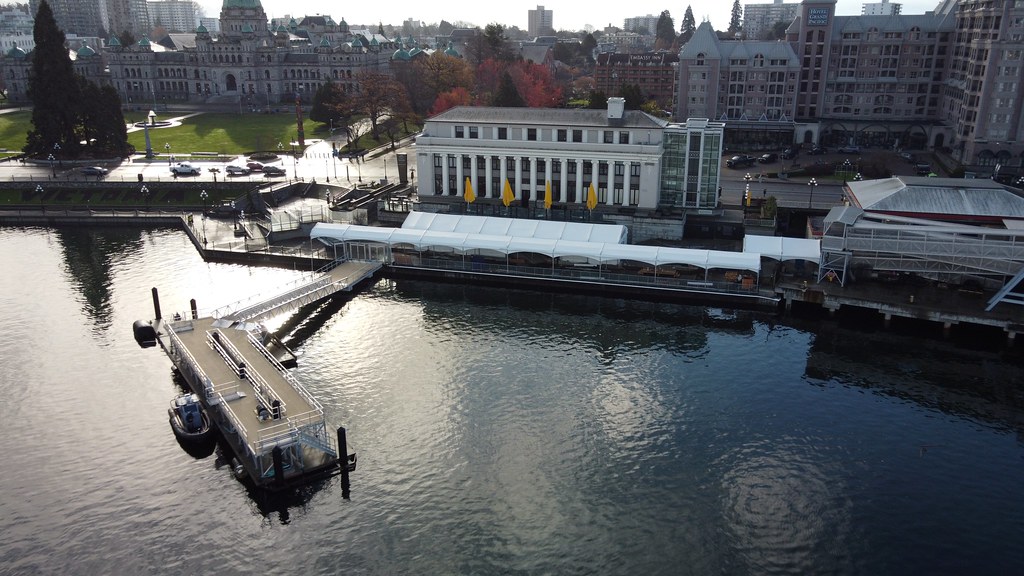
468 194
506 194
547 195
591 197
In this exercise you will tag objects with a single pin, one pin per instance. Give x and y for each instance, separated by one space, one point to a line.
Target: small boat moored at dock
188 419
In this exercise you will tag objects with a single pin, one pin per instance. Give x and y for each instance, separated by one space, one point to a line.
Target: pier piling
195 309
343 459
156 304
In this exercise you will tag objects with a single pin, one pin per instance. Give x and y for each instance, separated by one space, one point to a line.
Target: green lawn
14 127
221 133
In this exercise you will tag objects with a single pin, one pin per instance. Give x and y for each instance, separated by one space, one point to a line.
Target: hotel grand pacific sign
817 16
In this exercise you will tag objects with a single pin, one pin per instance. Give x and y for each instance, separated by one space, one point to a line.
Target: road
316 163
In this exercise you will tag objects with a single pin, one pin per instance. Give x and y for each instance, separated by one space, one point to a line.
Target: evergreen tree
734 21
507 94
53 89
597 100
632 95
666 29
689 26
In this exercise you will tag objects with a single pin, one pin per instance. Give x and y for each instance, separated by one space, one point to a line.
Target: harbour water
500 432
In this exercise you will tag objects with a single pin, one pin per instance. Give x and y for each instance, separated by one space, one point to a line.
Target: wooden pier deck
259 407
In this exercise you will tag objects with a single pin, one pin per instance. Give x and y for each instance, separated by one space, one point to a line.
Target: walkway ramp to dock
338 277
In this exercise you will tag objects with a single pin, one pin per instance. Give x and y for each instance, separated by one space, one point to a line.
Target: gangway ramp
338 278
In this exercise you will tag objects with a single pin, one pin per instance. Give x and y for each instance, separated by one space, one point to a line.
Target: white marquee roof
598 251
779 248
520 228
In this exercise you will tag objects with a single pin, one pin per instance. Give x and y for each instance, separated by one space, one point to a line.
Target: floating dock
276 428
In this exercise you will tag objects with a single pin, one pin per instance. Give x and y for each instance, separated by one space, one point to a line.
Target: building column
444 175
503 171
473 175
563 185
460 187
488 172
533 178
518 177
579 181
547 173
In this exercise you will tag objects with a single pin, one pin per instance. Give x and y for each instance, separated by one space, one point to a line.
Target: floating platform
276 428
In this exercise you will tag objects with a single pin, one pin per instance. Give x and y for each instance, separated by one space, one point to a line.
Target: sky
567 15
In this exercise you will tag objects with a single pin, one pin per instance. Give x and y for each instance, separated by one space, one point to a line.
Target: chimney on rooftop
616 107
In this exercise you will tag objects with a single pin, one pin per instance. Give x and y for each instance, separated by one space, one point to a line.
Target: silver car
234 170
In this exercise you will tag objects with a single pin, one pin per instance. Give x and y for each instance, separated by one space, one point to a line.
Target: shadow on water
614 324
984 385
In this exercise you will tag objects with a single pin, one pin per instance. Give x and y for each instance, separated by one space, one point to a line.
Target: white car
184 168
234 170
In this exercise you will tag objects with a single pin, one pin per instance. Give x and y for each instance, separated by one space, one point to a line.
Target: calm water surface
499 432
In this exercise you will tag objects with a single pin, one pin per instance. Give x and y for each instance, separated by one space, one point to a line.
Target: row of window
543 134
494 188
619 168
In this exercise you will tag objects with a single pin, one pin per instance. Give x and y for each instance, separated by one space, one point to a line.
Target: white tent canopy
493 226
779 248
597 251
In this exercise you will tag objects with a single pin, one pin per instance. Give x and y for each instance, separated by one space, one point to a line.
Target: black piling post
278 465
195 309
241 371
156 303
343 459
275 409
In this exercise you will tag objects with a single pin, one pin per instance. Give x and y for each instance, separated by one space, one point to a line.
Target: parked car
816 150
741 161
234 170
254 166
97 171
789 153
851 149
910 158
923 169
768 158
184 169
273 171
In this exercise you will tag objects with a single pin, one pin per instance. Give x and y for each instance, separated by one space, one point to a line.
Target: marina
275 427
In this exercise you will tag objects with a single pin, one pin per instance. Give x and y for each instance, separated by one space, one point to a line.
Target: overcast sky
568 15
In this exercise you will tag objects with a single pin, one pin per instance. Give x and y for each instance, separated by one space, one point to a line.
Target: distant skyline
574 15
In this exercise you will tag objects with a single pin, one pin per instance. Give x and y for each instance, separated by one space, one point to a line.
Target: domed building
247 63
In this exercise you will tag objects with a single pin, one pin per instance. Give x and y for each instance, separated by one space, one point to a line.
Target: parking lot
868 161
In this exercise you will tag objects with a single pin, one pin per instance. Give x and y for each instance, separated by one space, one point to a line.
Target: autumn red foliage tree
458 96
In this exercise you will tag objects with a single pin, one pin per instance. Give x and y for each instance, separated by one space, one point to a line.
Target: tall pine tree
734 21
688 28
53 89
68 109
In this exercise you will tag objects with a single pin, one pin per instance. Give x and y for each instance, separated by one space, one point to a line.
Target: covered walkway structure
552 251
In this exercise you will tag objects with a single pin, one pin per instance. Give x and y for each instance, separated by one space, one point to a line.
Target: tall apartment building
648 23
870 80
128 15
758 19
174 15
82 17
540 22
653 72
883 8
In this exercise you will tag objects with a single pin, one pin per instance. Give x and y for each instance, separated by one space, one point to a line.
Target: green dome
16 52
144 42
451 51
373 41
85 51
357 43
400 54
114 42
247 29
202 30
241 4
324 43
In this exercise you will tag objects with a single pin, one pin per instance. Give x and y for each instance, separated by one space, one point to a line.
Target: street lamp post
813 184
746 192
167 148
145 195
203 196
385 169
39 191
53 169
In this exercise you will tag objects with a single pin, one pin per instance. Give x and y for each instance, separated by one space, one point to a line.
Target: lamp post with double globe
813 184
